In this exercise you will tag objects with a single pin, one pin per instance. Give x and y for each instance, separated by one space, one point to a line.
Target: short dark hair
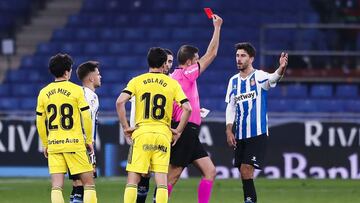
168 52
186 52
85 68
249 48
60 63
156 57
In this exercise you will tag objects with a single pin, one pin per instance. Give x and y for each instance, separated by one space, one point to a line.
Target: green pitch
110 190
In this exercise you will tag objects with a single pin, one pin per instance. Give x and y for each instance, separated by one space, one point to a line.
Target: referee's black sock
249 191
142 189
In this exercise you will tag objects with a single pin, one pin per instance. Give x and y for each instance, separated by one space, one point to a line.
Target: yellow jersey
154 95
63 116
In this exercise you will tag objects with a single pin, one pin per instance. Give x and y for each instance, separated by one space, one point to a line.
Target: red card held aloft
208 12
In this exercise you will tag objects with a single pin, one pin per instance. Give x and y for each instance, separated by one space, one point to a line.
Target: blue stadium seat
321 91
9 103
296 91
134 34
72 48
159 34
28 103
4 90
352 106
107 103
23 89
277 92
213 104
86 34
111 76
281 105
120 48
346 91
330 105
110 34
305 105
174 19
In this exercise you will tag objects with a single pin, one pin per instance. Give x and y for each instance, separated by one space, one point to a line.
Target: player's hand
128 131
217 20
230 138
90 148
283 61
45 152
176 136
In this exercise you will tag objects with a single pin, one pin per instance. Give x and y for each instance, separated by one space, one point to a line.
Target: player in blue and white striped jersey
88 73
246 114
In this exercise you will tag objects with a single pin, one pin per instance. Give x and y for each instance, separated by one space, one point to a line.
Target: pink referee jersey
187 79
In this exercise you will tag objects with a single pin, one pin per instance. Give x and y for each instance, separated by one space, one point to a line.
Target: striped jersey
93 101
249 97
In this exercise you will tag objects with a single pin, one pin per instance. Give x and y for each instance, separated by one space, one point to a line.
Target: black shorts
251 151
188 148
77 176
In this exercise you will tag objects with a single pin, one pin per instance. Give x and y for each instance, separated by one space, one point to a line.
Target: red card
208 12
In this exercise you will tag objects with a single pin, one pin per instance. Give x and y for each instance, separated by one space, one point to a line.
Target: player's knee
247 172
173 178
210 173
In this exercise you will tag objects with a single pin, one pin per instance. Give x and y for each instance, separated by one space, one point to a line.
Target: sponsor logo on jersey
245 96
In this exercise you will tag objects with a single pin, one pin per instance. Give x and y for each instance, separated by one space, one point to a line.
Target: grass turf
110 190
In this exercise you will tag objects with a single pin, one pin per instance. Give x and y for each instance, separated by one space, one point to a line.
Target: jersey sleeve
228 91
180 96
86 116
40 121
263 80
93 109
132 112
192 72
130 88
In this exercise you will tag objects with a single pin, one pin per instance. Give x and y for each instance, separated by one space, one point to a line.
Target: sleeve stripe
183 101
85 108
38 113
127 92
198 66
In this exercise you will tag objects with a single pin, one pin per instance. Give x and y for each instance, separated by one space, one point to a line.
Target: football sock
161 194
249 191
142 189
154 197
72 194
56 195
79 194
170 188
204 191
90 194
130 193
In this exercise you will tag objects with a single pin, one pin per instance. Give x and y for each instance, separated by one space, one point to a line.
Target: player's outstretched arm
186 107
213 47
279 73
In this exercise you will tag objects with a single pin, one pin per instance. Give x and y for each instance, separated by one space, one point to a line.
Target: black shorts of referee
188 148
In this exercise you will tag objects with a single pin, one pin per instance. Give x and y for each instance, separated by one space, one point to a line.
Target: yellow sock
56 195
130 193
90 194
161 194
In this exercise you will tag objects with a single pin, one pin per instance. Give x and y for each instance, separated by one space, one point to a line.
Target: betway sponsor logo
245 97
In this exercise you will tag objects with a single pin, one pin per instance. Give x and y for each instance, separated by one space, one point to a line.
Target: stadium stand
119 33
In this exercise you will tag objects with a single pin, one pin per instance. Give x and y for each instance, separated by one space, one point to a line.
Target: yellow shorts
76 162
149 152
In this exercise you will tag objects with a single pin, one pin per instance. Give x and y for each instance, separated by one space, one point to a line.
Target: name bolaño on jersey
249 97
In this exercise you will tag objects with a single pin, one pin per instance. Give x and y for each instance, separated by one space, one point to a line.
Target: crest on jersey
252 81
